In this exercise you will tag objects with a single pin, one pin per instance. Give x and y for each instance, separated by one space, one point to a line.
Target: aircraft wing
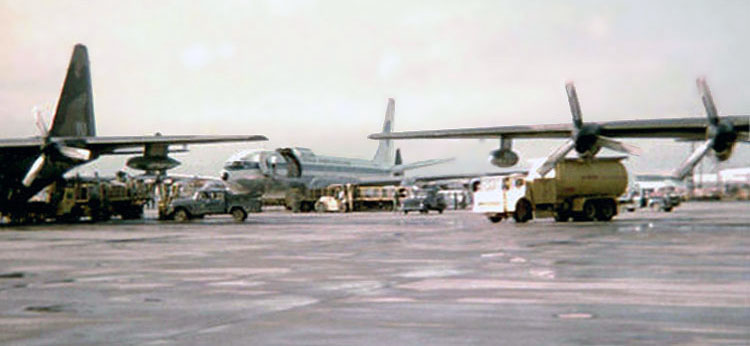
522 131
680 128
108 145
21 143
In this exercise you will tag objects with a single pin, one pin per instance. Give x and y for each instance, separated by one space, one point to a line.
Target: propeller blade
575 107
618 146
556 156
708 101
34 171
40 124
79 154
687 166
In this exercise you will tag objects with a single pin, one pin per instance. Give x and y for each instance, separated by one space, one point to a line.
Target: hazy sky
318 73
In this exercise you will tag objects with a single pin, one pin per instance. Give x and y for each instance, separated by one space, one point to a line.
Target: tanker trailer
584 190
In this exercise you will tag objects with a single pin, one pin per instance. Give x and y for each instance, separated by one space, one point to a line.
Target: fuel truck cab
584 190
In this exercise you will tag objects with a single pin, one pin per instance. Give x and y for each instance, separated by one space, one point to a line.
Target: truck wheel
657 206
424 211
667 209
562 216
605 210
101 216
495 218
440 211
523 211
181 215
239 215
132 213
293 200
319 207
589 211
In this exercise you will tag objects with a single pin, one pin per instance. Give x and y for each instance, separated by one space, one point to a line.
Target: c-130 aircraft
32 163
719 134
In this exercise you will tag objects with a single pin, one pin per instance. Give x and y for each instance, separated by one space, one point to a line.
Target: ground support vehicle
663 199
665 203
582 189
210 201
354 197
423 200
94 198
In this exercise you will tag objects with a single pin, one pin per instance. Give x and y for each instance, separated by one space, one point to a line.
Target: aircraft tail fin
75 108
384 155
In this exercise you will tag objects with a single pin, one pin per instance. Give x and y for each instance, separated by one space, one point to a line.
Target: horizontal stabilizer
419 164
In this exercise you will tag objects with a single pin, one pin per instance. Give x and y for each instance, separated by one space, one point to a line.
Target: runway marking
430 272
476 300
237 283
542 273
575 316
517 260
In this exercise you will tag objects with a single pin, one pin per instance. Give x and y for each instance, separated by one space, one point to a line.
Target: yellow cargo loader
584 190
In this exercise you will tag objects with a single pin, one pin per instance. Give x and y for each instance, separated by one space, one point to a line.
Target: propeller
586 139
49 147
720 135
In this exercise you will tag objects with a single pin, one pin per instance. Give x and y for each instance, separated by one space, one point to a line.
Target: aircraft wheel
605 210
239 215
523 211
181 215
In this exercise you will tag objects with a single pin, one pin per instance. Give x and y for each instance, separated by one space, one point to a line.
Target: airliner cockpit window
237 165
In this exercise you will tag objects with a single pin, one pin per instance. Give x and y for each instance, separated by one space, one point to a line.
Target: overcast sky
318 73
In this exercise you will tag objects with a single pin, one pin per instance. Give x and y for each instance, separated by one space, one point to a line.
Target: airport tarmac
382 279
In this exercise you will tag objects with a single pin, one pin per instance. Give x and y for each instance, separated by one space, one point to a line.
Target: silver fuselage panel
264 172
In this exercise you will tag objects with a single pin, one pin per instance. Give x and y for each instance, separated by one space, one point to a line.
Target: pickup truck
210 202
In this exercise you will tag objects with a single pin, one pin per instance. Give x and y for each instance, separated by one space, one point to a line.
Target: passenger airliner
292 172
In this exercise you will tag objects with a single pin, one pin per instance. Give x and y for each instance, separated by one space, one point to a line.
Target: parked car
424 200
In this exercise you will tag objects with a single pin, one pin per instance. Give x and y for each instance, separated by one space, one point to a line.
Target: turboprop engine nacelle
152 163
503 158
